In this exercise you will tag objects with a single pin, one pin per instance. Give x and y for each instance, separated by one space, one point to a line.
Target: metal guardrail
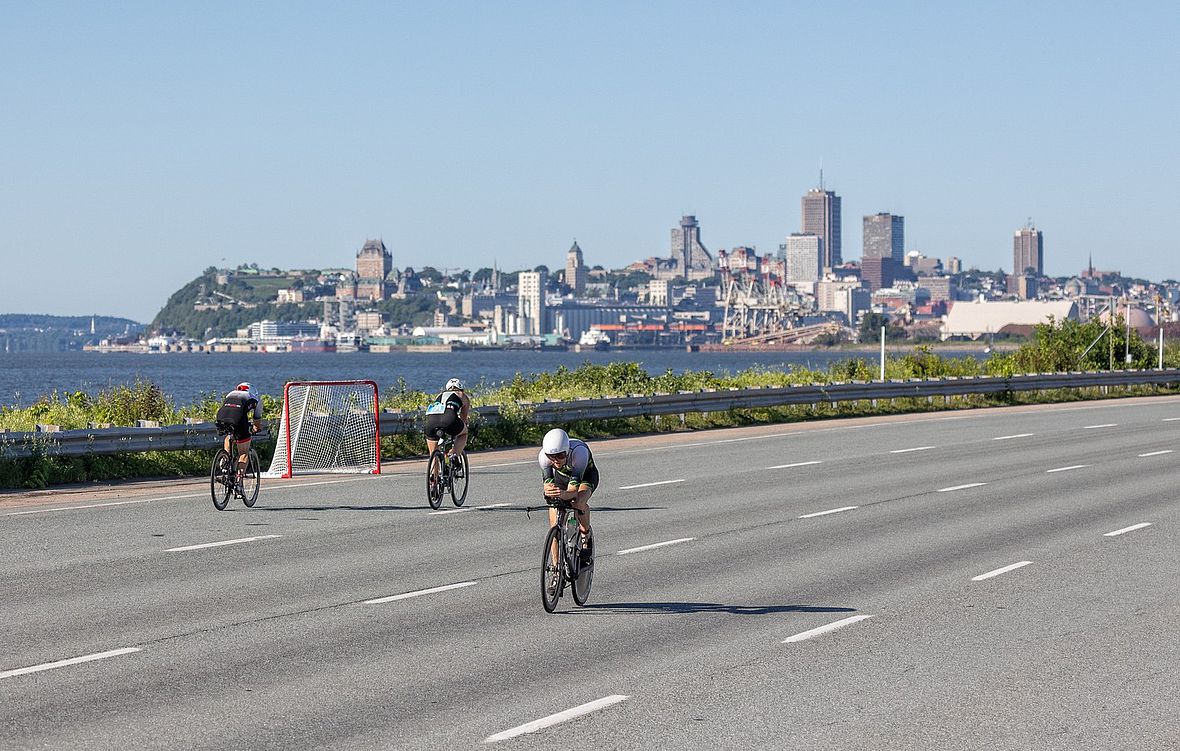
202 436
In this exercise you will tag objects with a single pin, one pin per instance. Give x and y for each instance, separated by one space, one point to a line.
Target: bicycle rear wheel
459 481
552 570
434 479
220 481
251 480
581 584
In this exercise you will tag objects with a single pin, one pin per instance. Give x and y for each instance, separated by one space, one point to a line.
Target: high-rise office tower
531 302
805 253
821 217
1028 252
575 270
694 260
884 236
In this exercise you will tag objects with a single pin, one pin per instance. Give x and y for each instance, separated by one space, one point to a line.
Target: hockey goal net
328 426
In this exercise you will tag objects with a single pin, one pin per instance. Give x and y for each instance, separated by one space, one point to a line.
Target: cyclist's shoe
587 553
456 463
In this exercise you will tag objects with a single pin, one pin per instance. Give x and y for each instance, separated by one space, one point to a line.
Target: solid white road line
1156 453
219 544
796 464
102 505
999 571
650 484
961 487
71 661
272 488
554 719
1124 530
829 511
906 451
468 508
1103 425
653 546
825 629
419 593
1066 469
1171 419
1010 437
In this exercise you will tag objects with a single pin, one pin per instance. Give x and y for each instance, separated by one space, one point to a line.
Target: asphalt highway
989 579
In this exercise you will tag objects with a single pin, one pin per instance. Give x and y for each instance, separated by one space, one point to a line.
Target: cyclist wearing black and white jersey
569 474
240 414
448 415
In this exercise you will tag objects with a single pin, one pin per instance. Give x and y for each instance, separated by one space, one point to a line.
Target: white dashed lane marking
916 448
829 511
554 719
650 484
1010 437
962 487
1156 453
999 571
796 464
825 629
204 545
1066 469
70 661
1124 530
419 593
655 545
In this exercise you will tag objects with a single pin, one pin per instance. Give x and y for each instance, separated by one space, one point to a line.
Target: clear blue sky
143 142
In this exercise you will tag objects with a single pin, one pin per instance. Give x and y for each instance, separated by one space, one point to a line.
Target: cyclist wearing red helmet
241 415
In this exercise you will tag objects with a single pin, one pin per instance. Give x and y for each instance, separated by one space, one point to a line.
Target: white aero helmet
244 386
453 385
557 441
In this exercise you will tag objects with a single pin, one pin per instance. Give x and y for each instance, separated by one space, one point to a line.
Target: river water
186 377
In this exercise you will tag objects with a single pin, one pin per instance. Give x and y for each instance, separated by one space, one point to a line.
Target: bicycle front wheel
459 481
220 480
552 570
251 480
434 479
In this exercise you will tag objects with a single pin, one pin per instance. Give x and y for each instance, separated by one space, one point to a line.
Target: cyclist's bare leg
243 454
460 443
431 445
581 503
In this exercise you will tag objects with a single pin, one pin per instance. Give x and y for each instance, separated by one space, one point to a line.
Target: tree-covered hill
218 303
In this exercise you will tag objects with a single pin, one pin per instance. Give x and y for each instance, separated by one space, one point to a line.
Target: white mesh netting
327 427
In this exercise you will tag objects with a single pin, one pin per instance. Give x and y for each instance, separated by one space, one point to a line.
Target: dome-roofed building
1139 318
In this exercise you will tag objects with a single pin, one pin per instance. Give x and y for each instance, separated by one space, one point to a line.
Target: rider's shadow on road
680 608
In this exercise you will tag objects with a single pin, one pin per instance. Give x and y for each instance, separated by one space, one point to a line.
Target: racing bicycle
443 475
561 560
224 481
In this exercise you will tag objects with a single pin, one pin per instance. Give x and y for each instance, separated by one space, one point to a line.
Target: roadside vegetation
1054 347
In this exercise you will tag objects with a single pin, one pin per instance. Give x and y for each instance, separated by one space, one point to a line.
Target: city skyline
265 134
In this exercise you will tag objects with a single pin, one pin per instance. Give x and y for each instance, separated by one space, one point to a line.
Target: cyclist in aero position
240 414
569 474
448 415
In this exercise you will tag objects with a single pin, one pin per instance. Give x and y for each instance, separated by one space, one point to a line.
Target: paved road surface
949 581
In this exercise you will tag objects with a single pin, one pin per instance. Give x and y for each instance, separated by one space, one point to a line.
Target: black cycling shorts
241 431
446 423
